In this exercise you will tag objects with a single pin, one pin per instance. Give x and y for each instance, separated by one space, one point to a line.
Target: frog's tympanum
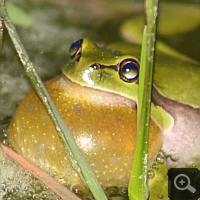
97 98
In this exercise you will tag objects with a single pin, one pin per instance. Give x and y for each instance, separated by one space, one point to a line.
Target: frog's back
177 79
174 78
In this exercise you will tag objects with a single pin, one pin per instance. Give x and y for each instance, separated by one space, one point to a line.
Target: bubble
160 157
150 174
160 196
5 133
174 157
194 165
31 192
76 174
15 189
113 190
76 190
36 196
155 166
118 193
160 160
7 189
43 194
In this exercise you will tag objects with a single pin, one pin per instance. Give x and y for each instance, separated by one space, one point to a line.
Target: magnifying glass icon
182 182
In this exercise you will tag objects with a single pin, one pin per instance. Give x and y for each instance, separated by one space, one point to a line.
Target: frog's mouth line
157 98
108 96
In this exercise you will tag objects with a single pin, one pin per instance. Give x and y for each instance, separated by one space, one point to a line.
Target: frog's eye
75 50
129 70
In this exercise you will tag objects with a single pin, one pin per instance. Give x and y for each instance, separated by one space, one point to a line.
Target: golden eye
129 70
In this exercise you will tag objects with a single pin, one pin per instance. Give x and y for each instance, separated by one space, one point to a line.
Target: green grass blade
137 185
69 143
1 32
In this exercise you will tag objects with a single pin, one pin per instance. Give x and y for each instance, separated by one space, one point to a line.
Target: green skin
175 97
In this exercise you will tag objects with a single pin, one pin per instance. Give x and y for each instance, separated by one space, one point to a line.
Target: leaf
137 185
19 16
41 175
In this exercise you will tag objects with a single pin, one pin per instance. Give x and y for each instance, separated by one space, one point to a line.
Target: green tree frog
97 97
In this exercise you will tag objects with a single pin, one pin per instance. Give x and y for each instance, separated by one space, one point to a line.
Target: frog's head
104 69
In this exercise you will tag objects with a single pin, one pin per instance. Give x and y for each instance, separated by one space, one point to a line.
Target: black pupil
130 70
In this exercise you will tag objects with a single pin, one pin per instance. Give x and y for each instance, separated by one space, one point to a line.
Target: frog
96 95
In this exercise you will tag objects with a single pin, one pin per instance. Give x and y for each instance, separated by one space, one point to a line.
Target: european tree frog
97 97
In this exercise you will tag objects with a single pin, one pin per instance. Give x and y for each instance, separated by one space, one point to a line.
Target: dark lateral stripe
108 66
